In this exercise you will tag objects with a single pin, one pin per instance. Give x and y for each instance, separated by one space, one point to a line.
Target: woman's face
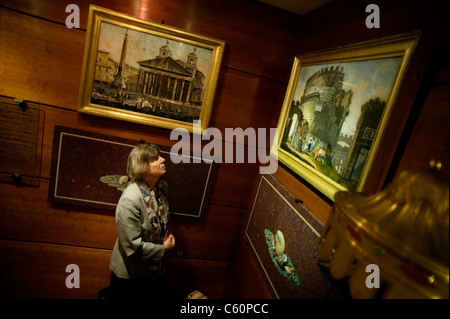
157 167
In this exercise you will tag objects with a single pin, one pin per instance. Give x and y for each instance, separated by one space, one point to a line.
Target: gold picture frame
148 73
336 108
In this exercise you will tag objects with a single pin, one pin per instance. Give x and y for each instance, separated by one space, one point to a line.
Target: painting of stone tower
325 104
315 121
334 115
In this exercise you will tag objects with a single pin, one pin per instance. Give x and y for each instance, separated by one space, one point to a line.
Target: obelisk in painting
119 79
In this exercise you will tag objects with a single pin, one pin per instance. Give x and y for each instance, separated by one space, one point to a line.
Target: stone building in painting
319 114
365 134
175 81
161 78
325 105
105 68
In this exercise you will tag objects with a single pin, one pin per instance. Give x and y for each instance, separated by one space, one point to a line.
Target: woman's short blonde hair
139 159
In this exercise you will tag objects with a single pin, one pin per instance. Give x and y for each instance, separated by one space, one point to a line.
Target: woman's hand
169 242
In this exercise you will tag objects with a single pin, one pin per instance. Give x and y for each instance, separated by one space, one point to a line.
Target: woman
142 216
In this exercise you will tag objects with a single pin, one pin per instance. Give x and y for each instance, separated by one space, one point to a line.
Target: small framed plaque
21 127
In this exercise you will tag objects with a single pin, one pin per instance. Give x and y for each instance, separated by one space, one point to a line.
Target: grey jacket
134 252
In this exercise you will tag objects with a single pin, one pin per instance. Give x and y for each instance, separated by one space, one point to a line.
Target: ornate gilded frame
125 77
312 139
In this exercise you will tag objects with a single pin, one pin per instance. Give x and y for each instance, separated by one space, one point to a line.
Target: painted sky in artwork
144 46
367 79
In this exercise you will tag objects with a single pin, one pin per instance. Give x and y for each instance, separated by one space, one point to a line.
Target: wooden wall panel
27 215
232 184
429 142
186 275
214 237
427 135
35 270
41 61
258 36
245 100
